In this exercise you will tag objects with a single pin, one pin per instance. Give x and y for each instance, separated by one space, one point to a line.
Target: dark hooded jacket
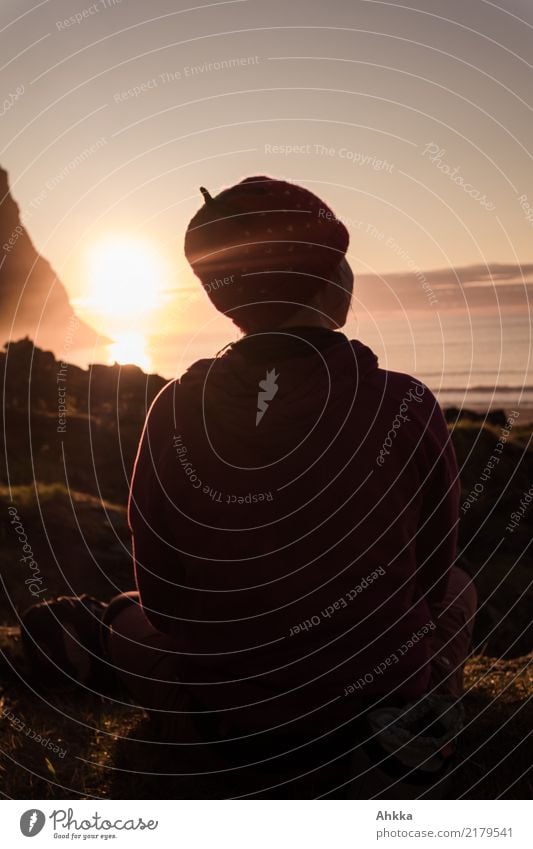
294 511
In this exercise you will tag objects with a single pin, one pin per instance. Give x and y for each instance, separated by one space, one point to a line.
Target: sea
478 360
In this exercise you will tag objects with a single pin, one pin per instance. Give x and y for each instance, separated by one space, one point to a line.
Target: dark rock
33 301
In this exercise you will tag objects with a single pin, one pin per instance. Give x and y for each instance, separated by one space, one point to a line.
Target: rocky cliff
33 301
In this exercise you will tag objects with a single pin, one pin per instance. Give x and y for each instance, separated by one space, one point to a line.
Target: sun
130 349
125 278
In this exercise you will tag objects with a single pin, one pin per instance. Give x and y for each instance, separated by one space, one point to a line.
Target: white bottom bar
266 824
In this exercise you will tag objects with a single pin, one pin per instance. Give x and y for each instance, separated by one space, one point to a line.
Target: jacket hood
268 394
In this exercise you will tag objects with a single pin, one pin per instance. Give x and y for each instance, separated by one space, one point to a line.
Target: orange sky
413 120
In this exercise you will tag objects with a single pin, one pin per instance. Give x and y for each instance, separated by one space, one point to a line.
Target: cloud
498 285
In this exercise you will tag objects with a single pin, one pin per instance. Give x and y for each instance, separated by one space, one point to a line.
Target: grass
105 756
104 753
85 729
80 543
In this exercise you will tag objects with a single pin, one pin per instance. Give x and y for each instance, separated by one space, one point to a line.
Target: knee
462 590
121 604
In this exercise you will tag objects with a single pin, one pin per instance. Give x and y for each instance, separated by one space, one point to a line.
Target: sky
413 120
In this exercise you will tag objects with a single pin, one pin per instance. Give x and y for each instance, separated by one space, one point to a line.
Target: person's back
308 500
294 513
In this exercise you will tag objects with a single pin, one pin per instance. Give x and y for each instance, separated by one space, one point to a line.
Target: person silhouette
293 507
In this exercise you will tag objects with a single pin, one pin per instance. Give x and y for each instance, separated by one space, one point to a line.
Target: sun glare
130 348
125 278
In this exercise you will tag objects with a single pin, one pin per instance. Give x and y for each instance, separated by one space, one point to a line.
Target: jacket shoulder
397 385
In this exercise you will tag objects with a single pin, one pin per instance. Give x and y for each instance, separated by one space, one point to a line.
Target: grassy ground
91 747
102 753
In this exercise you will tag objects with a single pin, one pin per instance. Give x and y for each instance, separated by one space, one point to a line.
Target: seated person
294 507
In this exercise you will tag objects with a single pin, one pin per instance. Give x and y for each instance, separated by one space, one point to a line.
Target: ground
100 754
